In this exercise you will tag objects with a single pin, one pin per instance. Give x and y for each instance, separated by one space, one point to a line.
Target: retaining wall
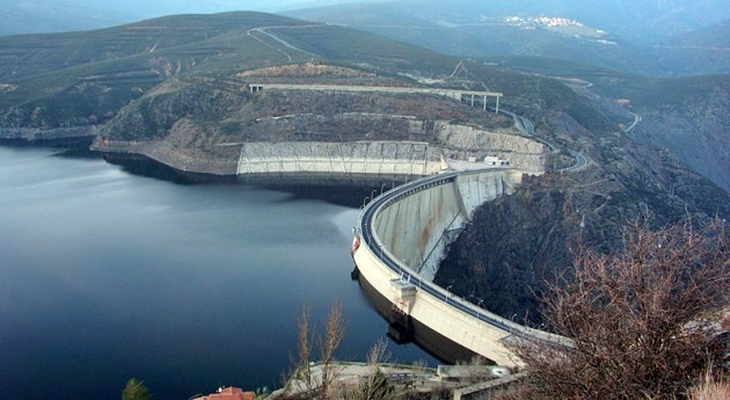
372 158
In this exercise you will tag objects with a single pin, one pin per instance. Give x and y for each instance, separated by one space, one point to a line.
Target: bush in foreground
641 322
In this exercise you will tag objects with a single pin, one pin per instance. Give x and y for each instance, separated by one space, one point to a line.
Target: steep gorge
515 244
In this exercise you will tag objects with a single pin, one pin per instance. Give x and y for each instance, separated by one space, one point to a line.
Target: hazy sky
673 16
34 16
160 7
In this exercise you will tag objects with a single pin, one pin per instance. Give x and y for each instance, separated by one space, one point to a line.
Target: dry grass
711 388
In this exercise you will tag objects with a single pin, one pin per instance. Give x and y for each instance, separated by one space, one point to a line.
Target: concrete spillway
399 241
369 158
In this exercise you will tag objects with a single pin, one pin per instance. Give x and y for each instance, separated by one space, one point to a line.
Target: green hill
85 78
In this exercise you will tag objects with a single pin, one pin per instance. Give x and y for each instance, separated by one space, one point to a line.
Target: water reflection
106 275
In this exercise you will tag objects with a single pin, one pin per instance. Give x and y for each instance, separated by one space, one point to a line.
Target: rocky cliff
690 117
204 125
517 242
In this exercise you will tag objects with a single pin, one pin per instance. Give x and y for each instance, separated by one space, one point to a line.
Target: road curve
264 31
525 125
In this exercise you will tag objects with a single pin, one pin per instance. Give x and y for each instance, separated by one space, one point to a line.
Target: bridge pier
401 325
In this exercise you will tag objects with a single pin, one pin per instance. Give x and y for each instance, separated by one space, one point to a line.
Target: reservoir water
107 275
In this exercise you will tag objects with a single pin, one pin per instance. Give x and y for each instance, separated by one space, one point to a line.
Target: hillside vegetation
86 78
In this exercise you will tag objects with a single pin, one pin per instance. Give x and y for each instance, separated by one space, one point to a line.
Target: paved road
637 119
284 43
451 93
580 161
524 125
529 126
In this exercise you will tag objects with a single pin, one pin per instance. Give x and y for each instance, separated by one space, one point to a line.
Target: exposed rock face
205 127
462 142
516 242
696 129
360 157
39 134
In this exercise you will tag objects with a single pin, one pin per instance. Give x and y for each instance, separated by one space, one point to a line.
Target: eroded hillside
516 244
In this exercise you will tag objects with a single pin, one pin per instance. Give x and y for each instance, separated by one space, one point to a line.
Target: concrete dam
399 241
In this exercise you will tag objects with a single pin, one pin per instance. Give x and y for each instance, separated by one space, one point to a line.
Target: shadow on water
338 189
427 339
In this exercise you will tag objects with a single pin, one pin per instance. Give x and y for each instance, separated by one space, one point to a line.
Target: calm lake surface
107 275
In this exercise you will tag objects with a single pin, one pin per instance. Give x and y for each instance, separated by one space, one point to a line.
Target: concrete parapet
451 93
465 372
488 389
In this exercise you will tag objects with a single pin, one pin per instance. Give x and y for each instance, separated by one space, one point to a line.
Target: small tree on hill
638 320
135 390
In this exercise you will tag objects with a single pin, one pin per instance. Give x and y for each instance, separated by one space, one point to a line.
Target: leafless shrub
328 345
636 318
307 379
379 354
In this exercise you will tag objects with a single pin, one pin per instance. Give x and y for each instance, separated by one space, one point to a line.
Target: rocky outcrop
219 127
516 243
405 158
462 142
32 135
696 128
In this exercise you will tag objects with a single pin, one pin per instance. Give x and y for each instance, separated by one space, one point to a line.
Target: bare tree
304 347
637 320
376 385
709 388
379 353
308 380
328 345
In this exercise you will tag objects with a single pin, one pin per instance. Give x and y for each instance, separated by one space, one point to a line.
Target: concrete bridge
460 95
399 240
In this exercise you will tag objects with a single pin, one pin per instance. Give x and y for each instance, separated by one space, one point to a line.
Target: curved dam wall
399 240
417 228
